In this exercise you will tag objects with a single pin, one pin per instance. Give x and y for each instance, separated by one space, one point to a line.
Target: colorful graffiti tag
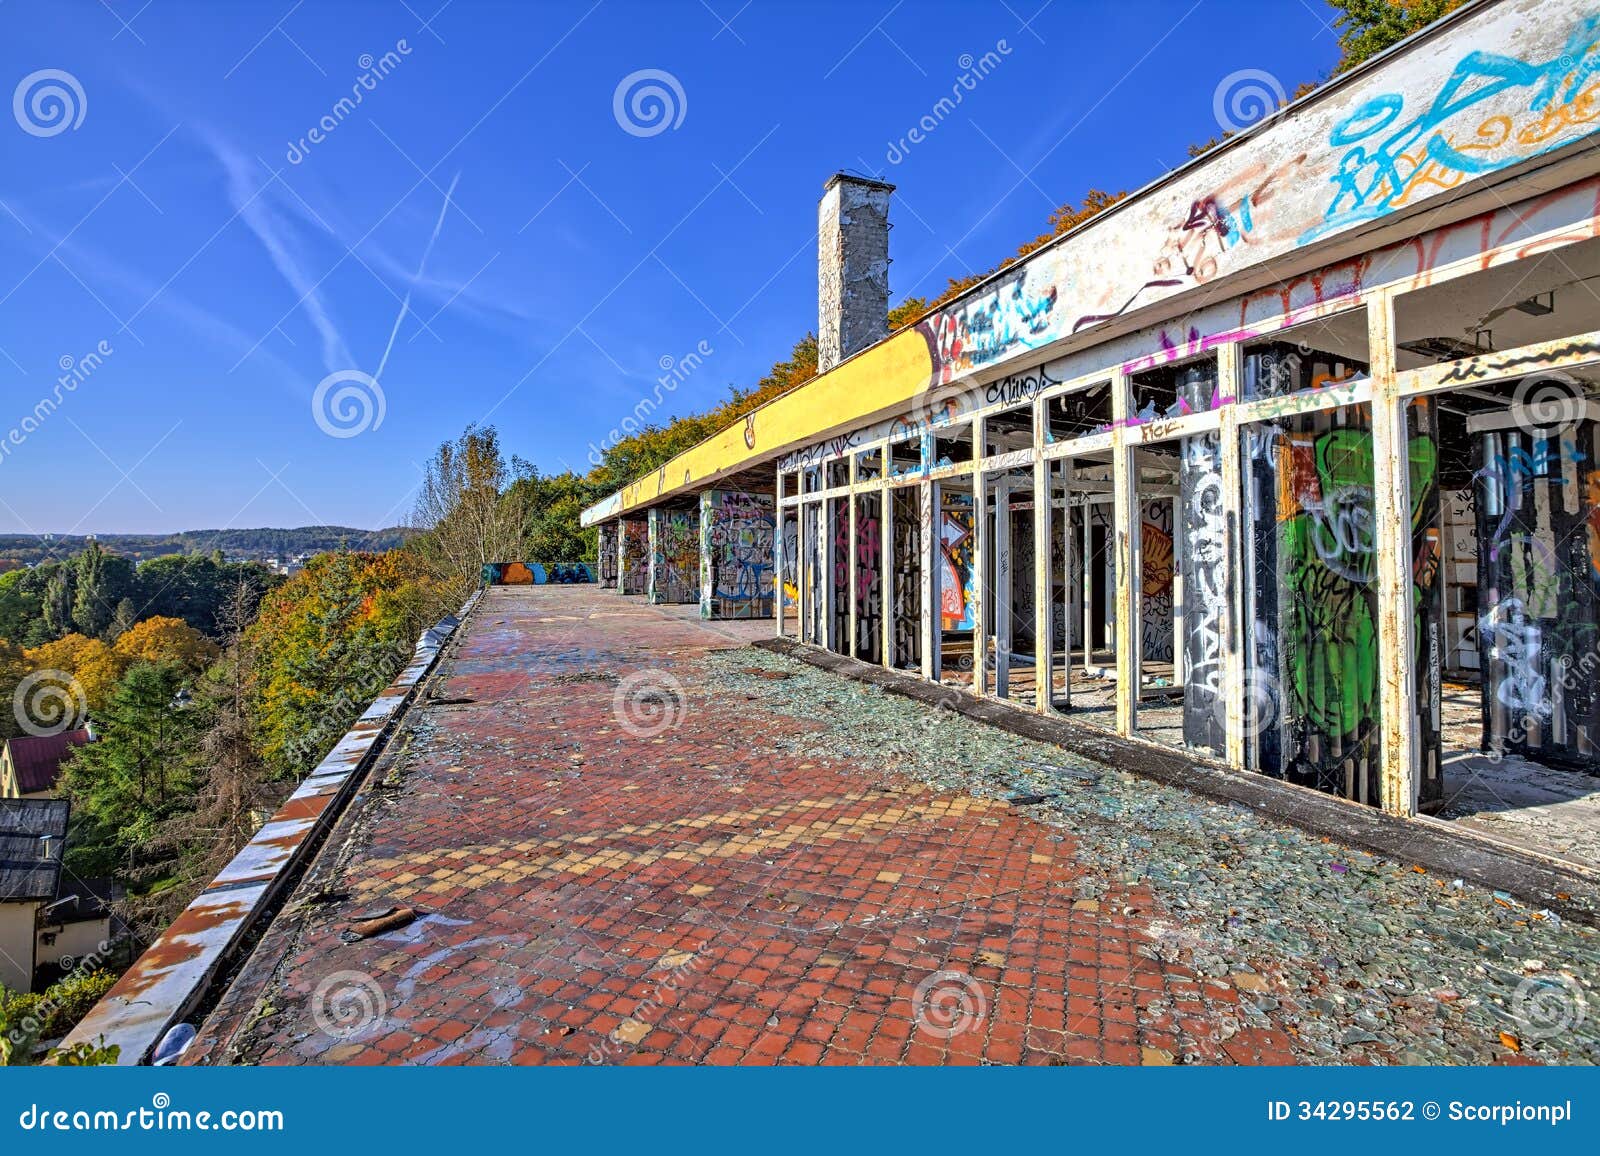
607 553
869 585
674 556
1316 631
536 573
1390 157
957 580
633 556
736 531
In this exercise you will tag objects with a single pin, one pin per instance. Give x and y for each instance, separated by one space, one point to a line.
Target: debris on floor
1369 947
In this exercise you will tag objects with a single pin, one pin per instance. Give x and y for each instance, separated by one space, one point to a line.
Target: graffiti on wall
736 531
957 581
1316 624
1539 590
839 559
607 553
1155 609
674 556
1437 117
906 587
979 332
536 573
869 586
1200 497
633 556
791 559
1391 153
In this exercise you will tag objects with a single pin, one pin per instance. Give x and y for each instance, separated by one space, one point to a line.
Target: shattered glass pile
1368 959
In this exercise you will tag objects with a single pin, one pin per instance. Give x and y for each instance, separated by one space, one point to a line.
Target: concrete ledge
1566 889
179 970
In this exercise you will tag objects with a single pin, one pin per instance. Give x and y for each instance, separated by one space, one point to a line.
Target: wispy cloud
422 266
277 236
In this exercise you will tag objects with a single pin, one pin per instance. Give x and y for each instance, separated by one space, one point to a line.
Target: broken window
1170 391
1328 351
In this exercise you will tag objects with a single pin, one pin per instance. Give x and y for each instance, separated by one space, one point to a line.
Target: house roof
25 874
85 900
37 758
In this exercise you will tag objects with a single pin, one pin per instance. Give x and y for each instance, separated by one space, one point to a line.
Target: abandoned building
1289 460
1286 464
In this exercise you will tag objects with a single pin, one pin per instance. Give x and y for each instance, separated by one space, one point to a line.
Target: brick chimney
852 267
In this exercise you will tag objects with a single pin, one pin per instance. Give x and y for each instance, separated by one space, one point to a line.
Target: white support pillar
1067 542
929 493
980 555
853 611
1125 531
1043 594
1002 585
1234 661
802 556
1392 530
825 573
1088 580
886 563
778 514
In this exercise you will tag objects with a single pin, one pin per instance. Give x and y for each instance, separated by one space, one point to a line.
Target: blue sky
179 212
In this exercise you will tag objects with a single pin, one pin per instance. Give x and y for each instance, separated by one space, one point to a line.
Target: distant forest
18 550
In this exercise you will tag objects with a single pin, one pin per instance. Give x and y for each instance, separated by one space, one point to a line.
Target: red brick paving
694 896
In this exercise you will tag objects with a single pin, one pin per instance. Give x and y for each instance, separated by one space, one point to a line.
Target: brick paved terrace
628 837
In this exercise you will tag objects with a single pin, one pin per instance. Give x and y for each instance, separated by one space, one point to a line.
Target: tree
93 664
57 606
22 606
233 784
13 666
135 775
1367 27
461 507
100 581
327 641
163 639
194 587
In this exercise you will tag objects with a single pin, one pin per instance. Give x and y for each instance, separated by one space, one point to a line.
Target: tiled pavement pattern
677 882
